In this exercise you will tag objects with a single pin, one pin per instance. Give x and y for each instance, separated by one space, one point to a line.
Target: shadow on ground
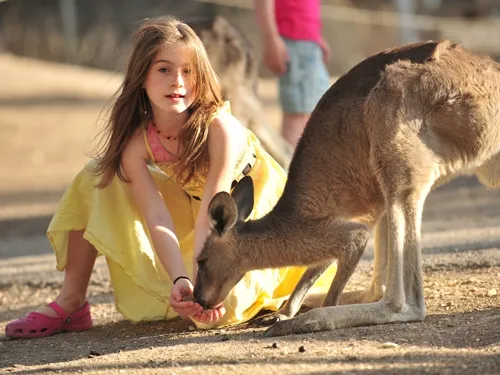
448 331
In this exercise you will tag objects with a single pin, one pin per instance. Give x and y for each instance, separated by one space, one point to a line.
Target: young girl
171 144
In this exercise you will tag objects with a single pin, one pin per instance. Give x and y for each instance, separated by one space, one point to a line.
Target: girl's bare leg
79 266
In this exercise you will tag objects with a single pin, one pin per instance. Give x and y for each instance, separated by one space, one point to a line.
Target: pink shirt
299 19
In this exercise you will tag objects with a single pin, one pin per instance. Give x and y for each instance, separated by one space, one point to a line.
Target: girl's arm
158 219
225 138
266 18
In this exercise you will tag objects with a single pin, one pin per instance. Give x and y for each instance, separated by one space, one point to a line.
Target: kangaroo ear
243 197
222 213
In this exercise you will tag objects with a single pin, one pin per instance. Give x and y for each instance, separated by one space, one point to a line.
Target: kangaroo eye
201 264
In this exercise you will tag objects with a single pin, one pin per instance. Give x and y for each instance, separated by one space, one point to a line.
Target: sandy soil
47 118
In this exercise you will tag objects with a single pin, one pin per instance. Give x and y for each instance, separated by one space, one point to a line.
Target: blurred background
61 60
96 33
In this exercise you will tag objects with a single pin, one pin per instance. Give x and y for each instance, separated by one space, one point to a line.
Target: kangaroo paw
298 325
268 319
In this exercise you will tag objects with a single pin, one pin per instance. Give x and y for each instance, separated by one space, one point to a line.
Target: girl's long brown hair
128 112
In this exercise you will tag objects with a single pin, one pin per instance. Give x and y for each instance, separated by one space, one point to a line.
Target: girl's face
168 83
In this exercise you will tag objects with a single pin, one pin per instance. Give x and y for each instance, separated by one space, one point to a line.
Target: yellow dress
118 231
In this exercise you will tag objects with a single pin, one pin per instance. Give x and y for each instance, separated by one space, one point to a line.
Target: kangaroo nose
198 299
203 304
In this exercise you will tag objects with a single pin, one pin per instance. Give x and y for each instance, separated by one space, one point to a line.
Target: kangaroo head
220 261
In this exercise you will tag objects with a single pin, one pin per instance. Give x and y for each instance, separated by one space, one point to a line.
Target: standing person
170 145
295 50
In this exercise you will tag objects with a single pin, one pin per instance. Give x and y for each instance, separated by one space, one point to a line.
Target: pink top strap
160 155
158 152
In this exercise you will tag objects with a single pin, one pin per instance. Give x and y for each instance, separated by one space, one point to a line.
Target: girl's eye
163 70
187 71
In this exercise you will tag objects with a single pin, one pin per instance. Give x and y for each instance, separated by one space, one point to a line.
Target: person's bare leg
79 266
293 125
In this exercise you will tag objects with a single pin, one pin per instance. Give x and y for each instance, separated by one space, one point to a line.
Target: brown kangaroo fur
398 124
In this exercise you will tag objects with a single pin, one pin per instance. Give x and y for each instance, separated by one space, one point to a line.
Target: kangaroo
394 127
233 58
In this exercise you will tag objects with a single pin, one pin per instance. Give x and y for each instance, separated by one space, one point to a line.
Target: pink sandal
36 325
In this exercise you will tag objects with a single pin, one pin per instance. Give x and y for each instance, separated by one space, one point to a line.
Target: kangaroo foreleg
348 259
377 287
293 304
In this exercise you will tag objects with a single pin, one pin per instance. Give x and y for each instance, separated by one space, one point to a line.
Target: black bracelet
181 277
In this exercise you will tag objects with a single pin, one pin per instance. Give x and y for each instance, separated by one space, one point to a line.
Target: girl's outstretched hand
210 316
180 294
183 289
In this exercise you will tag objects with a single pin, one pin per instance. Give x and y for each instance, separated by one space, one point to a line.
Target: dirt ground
47 118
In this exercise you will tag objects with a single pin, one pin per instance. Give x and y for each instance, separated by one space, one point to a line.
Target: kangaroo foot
330 318
297 325
268 319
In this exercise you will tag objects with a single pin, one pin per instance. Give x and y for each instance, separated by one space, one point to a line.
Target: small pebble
302 349
388 345
492 292
94 353
274 345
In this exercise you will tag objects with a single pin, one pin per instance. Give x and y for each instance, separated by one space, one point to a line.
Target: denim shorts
306 78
